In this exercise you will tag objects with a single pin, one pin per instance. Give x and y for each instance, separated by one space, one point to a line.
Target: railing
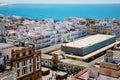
23 57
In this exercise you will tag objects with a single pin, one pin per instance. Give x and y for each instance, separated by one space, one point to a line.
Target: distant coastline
61 11
3 4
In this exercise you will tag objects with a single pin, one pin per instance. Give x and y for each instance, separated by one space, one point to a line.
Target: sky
63 1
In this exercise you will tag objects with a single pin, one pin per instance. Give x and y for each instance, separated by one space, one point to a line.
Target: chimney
109 56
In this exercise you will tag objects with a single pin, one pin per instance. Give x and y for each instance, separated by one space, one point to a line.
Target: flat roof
45 69
45 56
5 45
74 62
93 53
61 73
88 41
14 48
50 48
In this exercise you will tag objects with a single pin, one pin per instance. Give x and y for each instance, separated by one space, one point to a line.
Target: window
23 63
0 54
26 62
30 78
18 65
37 58
7 57
30 69
68 66
14 34
30 61
17 55
18 74
50 63
37 65
30 52
38 75
24 71
24 54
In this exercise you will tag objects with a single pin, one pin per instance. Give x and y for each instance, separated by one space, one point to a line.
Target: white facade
21 65
2 28
4 52
2 60
46 33
38 63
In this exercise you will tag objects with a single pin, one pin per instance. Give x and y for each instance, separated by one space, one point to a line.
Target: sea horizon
61 11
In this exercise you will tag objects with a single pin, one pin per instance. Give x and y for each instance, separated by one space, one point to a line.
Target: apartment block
26 60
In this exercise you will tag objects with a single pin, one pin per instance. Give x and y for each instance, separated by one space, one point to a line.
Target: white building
2 31
48 32
6 72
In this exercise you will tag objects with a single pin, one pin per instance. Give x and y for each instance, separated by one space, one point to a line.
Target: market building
88 44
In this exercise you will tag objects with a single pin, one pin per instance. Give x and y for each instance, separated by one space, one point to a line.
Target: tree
2 68
61 66
76 69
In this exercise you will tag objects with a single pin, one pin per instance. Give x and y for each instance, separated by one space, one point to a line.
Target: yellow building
100 30
110 68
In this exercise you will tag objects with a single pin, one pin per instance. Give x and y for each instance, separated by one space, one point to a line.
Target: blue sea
61 11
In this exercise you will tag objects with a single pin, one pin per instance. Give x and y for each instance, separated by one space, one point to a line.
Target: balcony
23 57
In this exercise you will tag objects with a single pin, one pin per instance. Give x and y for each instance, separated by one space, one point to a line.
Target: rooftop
94 53
74 62
14 48
116 60
5 45
88 41
83 75
8 75
61 73
45 69
45 56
